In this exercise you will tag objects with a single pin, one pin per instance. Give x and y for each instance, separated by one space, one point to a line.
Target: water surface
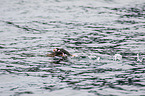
86 28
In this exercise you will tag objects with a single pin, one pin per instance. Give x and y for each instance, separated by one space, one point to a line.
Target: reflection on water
99 33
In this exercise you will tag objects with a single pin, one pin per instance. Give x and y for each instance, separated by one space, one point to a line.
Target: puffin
59 52
56 53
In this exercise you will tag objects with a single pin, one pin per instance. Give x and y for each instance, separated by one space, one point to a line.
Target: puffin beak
54 50
73 55
62 55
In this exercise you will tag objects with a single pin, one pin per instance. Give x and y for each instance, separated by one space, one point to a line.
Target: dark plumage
59 52
56 53
62 50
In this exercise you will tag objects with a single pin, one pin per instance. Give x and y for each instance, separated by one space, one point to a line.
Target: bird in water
59 52
56 53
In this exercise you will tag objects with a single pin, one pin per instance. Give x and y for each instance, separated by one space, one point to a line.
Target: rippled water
29 29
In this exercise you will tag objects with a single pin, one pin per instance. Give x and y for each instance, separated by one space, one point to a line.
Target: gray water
89 29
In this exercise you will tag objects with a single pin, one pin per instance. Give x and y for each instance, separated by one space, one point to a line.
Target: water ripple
89 30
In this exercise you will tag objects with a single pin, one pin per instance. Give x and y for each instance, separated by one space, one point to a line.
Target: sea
106 37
